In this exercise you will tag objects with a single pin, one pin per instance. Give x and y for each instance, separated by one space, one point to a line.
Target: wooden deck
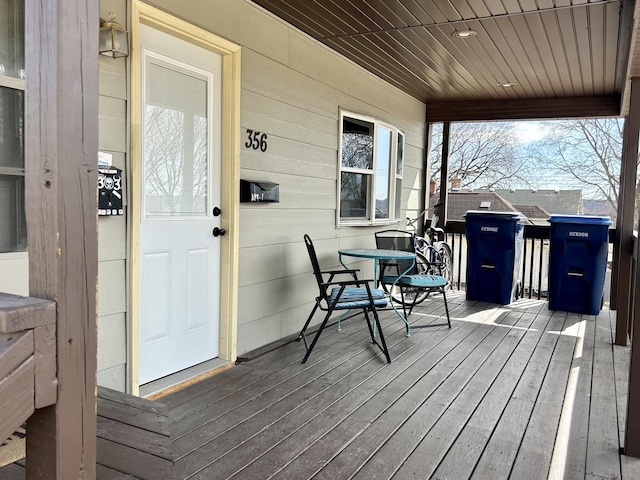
516 392
509 392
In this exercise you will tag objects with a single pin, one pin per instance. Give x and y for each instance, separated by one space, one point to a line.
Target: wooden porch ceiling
566 58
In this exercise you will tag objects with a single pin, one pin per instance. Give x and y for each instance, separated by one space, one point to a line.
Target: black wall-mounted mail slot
259 191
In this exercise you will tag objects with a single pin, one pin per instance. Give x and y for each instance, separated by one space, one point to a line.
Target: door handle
216 212
219 232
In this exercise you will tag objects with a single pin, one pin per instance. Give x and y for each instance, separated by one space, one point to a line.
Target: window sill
367 223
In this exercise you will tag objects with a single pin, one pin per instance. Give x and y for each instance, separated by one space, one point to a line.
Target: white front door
180 174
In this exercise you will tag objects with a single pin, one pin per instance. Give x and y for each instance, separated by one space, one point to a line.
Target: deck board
329 429
339 391
487 392
603 421
536 450
410 410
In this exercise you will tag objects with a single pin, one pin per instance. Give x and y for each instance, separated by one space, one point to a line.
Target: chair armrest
347 283
342 270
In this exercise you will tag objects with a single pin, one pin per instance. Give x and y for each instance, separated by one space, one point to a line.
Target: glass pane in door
176 140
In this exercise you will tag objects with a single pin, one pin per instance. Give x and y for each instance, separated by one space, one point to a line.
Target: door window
176 140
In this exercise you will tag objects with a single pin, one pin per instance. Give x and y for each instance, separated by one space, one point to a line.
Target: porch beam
444 175
61 144
623 246
604 106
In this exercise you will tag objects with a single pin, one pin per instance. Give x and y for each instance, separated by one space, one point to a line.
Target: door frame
230 177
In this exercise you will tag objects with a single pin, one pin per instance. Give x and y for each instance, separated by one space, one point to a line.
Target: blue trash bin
494 247
579 246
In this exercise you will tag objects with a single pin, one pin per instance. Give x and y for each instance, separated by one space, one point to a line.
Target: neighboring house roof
535 213
564 202
600 208
461 201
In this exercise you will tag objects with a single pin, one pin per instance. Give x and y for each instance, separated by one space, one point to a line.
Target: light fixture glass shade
113 39
464 34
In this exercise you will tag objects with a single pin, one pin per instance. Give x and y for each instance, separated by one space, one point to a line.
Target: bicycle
433 257
435 249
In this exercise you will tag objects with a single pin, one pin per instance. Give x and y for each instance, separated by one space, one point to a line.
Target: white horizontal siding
112 231
293 89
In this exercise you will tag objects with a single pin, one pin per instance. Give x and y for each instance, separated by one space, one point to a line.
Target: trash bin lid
501 216
580 219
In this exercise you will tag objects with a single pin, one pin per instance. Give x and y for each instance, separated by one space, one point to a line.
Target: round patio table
378 254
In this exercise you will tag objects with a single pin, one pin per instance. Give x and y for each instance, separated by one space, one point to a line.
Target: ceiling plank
581 31
553 34
398 14
611 34
596 15
540 39
418 12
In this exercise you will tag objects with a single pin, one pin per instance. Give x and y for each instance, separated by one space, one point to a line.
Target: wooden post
623 247
61 144
426 177
444 175
630 154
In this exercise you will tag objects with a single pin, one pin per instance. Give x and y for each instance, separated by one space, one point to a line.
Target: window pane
13 229
400 154
399 171
398 208
12 38
353 195
383 163
357 143
11 128
175 141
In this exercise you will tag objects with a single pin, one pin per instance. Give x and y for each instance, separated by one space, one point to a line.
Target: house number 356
256 140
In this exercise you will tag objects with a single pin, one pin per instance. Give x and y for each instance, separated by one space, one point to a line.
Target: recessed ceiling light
464 33
507 84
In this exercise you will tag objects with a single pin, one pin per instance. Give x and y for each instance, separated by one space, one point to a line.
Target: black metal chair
418 282
343 295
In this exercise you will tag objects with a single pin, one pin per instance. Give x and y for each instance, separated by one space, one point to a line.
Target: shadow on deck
513 391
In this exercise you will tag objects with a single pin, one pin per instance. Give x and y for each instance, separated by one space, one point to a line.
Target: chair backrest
315 264
396 240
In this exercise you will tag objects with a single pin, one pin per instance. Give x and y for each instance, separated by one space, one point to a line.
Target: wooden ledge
21 314
24 313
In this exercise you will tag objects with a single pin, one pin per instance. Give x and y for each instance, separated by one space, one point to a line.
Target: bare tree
482 155
588 151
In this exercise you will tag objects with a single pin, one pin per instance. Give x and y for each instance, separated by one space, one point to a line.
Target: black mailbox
259 191
110 191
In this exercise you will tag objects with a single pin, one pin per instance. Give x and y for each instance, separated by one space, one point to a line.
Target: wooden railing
533 274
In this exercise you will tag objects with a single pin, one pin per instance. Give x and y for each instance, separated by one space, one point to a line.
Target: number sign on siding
256 140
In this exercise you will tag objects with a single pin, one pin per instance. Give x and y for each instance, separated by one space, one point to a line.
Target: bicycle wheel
445 261
412 296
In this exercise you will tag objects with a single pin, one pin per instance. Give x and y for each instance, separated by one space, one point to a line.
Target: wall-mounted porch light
113 40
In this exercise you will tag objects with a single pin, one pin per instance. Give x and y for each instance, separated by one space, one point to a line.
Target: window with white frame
370 171
13 232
